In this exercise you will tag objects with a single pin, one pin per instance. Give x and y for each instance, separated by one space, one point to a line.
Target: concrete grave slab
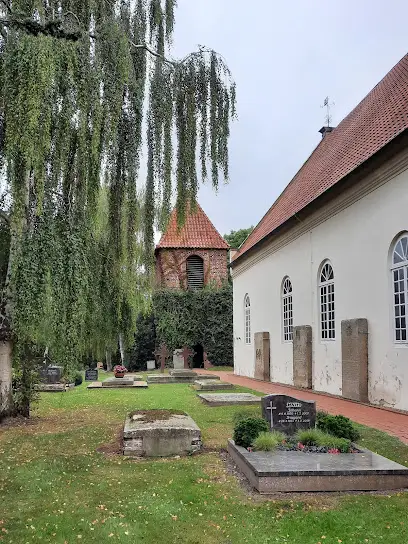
160 433
229 399
294 471
133 385
117 382
211 385
208 377
54 387
183 373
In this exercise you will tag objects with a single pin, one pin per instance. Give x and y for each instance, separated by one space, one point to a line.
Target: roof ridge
197 232
375 121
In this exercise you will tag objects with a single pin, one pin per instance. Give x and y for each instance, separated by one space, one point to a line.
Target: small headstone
91 375
99 366
178 360
288 414
151 365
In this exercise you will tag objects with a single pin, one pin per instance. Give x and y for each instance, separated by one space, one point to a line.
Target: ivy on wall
188 318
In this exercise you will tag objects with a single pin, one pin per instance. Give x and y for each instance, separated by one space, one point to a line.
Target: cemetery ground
63 480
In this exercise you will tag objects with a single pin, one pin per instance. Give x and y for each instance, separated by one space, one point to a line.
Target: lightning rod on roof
327 105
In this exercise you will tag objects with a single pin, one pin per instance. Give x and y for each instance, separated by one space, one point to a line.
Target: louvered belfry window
195 272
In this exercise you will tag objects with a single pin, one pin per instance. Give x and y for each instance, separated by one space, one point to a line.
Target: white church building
321 284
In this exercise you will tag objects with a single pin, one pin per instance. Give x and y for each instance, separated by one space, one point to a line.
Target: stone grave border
268 473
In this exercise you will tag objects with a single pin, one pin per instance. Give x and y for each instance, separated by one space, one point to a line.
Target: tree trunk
108 358
122 348
6 398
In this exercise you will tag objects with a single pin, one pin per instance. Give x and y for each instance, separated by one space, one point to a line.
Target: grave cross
271 408
186 354
162 354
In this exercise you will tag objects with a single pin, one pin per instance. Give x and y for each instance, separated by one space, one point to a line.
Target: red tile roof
197 232
378 119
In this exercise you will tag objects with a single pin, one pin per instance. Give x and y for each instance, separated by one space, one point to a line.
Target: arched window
399 271
195 272
326 299
287 310
247 311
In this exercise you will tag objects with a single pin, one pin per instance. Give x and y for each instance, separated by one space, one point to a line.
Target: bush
316 437
78 378
339 426
202 317
268 441
241 415
247 430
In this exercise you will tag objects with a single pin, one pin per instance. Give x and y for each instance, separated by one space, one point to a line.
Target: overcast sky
286 57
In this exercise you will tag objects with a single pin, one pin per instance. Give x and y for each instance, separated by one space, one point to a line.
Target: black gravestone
91 375
287 414
51 374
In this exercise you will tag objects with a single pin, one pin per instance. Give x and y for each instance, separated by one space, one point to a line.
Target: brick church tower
192 256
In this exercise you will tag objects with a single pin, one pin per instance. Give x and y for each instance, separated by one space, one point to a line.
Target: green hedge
188 318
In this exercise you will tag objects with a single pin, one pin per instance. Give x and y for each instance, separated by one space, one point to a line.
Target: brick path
391 422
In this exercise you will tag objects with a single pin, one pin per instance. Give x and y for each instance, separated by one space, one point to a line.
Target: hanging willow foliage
79 81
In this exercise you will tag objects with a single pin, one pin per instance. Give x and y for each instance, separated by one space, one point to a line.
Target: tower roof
379 118
197 232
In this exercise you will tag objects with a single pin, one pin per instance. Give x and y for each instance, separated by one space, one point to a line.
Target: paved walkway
391 422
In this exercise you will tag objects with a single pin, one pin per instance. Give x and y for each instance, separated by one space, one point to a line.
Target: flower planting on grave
253 433
119 371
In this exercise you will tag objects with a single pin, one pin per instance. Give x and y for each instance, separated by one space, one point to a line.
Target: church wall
357 240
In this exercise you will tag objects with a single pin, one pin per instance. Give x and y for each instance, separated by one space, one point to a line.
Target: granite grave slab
118 382
160 433
229 399
211 385
288 414
294 471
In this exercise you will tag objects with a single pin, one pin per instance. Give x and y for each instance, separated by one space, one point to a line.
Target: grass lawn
55 486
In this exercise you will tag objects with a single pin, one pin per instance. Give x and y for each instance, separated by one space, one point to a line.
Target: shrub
339 426
268 441
316 437
78 378
247 430
241 415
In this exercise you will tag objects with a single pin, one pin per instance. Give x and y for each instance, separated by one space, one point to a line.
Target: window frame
189 276
287 311
399 267
327 291
247 320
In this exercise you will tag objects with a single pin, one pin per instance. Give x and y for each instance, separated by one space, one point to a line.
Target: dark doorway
198 359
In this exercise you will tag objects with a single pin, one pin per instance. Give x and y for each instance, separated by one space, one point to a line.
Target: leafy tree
144 344
78 82
237 237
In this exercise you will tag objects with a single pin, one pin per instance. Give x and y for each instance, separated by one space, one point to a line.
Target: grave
151 365
295 471
160 433
229 399
211 385
288 414
91 375
51 380
179 376
128 381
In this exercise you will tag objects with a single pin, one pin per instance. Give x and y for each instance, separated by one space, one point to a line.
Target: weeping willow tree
88 92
